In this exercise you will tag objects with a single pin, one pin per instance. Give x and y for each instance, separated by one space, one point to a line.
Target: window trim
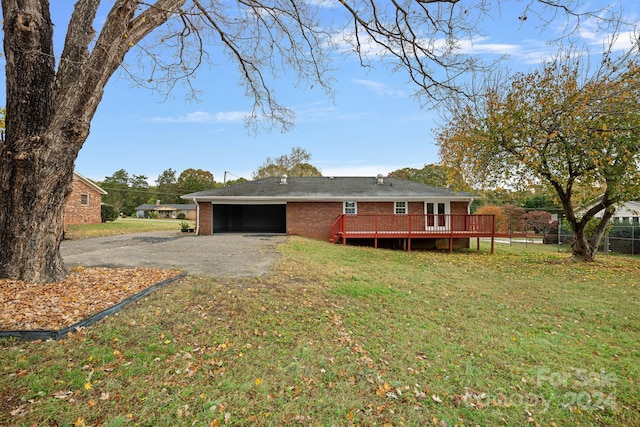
354 207
82 197
438 219
404 207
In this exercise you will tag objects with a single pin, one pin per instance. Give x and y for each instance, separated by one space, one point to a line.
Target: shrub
181 215
128 210
539 221
502 222
108 213
515 218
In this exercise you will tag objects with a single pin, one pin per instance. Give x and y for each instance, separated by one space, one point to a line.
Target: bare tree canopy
51 99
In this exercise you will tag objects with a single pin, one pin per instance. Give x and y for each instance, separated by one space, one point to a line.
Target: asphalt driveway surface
224 255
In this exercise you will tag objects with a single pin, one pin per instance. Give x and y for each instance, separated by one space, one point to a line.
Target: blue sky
373 125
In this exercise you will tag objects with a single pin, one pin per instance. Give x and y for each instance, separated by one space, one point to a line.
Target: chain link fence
622 238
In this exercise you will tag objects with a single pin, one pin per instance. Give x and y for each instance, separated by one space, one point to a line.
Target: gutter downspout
197 217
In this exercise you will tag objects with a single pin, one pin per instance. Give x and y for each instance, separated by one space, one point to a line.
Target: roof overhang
266 200
89 183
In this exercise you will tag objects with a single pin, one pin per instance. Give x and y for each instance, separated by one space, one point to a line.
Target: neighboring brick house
83 205
170 211
314 206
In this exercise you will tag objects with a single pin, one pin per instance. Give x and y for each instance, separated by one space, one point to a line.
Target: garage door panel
249 218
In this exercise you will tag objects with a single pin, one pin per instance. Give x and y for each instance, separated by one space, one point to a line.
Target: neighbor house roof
176 206
270 190
88 182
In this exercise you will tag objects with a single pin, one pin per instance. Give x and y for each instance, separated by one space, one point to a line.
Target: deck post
375 238
493 231
450 238
478 243
409 231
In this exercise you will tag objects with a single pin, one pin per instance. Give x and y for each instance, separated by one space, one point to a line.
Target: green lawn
353 336
123 226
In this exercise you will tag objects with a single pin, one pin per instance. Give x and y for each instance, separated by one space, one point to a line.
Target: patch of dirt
85 292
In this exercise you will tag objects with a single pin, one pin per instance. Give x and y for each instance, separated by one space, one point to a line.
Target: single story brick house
365 210
83 204
167 210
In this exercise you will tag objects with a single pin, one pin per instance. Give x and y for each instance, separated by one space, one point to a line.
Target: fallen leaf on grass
19 411
62 394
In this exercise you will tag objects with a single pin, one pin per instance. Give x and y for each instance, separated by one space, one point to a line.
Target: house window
84 199
350 208
400 208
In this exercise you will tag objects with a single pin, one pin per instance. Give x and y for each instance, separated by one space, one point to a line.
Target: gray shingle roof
327 188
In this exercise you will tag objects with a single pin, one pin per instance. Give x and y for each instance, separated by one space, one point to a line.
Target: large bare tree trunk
36 166
48 118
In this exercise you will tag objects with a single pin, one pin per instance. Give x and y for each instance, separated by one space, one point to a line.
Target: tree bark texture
48 120
34 177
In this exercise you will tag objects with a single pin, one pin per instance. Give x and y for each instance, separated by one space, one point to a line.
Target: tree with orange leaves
567 127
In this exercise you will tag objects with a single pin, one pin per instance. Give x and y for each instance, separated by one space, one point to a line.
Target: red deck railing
451 226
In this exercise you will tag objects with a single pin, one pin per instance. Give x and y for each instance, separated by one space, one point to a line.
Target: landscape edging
44 334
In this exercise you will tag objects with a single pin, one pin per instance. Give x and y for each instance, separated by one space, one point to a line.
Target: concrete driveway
224 255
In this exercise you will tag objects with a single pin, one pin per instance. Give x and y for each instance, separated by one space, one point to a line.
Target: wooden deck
449 226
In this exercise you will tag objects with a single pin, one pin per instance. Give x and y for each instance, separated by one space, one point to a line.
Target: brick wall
206 223
312 219
459 207
371 208
77 213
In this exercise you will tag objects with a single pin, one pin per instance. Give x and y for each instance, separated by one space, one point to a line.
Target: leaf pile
85 292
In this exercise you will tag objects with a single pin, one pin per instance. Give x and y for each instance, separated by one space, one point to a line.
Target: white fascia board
283 201
90 183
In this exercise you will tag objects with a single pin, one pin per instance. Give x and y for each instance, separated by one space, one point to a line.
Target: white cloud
623 42
481 46
380 88
324 3
204 117
313 111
